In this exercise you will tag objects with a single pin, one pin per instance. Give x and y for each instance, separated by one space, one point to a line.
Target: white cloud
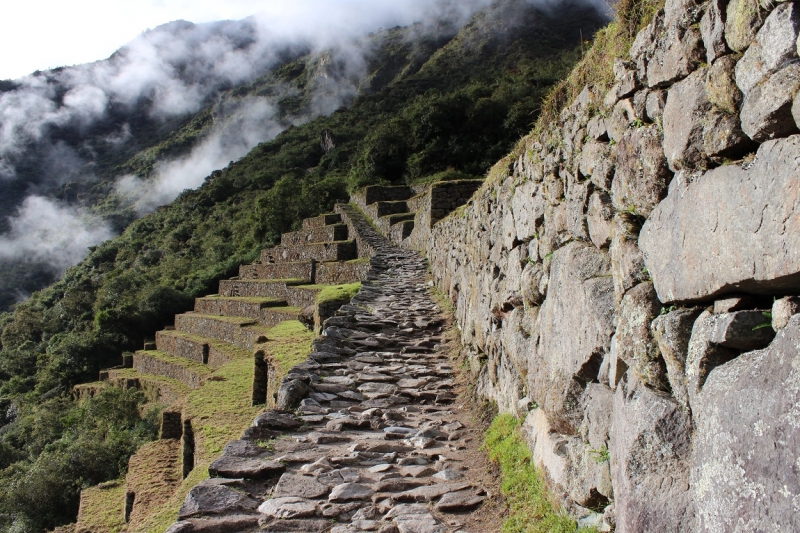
45 231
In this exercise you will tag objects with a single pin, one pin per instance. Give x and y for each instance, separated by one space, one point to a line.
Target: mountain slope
449 106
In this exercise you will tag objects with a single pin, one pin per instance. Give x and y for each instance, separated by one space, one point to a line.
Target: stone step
158 363
378 193
382 209
294 292
199 349
272 316
322 220
332 233
242 306
298 270
323 251
400 231
395 219
156 388
340 272
241 332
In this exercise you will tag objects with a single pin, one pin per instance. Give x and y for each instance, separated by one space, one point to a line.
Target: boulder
672 332
712 29
730 230
635 343
291 393
721 88
288 507
767 110
641 176
774 48
745 475
597 162
654 105
743 330
576 324
783 310
650 461
242 467
694 129
600 219
627 263
277 420
212 498
704 355
743 19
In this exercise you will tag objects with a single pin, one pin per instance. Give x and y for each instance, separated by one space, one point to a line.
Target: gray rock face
627 263
650 461
747 241
672 332
635 343
693 129
743 330
767 108
712 29
783 310
210 498
747 405
775 46
597 162
721 88
742 21
600 219
277 420
704 355
289 507
240 467
642 176
579 290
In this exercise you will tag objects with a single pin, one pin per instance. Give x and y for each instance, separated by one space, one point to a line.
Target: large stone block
672 331
650 461
576 324
743 19
767 108
712 28
730 230
642 176
745 475
635 343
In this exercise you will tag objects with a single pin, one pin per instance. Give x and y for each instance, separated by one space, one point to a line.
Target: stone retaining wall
339 272
298 270
614 281
233 332
147 364
326 251
332 233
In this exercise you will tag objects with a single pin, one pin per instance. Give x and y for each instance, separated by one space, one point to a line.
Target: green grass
531 507
146 380
332 293
289 344
102 507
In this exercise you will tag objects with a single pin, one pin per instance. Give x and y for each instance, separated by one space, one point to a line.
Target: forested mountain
445 98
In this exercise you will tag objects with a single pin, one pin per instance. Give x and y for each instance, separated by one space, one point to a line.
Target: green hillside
451 107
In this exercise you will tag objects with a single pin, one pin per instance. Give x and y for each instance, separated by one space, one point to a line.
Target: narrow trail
373 436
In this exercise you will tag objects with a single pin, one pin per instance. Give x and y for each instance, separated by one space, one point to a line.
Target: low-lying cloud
45 231
176 70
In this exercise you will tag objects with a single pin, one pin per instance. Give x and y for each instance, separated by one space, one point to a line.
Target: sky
42 34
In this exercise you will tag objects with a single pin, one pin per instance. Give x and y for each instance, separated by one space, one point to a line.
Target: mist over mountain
92 147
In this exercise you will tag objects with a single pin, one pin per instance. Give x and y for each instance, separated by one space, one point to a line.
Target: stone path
367 438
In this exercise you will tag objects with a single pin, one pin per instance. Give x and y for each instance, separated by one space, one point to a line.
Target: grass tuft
531 508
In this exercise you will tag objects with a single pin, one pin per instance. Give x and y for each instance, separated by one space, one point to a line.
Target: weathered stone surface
531 279
743 330
291 393
672 332
641 176
729 230
748 405
288 507
742 21
635 343
241 467
654 105
774 48
277 420
650 461
302 525
456 502
712 29
429 492
600 219
208 498
627 263
527 207
704 355
350 491
597 162
721 88
576 199
784 309
579 290
767 111
299 486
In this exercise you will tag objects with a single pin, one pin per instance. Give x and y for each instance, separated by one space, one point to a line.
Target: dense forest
448 107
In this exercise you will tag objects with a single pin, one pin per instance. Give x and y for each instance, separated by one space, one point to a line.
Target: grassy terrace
330 293
264 302
221 410
233 351
192 366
